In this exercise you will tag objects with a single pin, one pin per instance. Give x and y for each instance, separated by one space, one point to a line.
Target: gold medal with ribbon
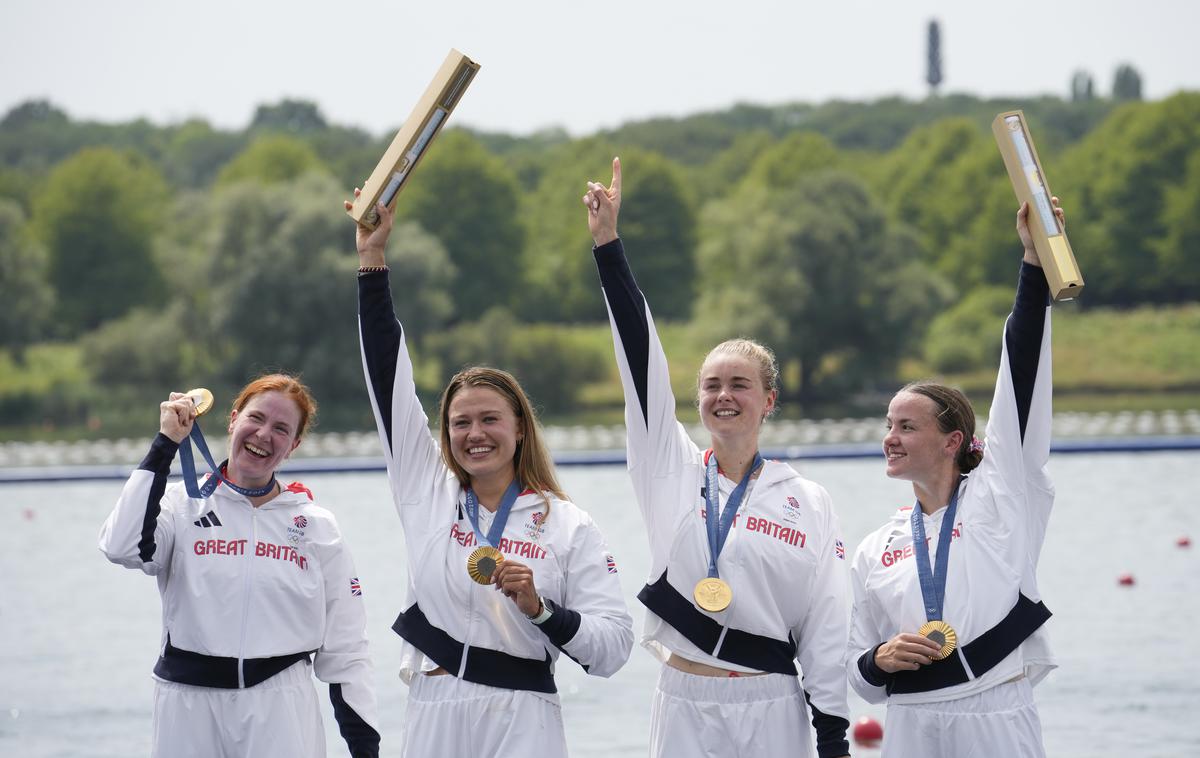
941 633
483 562
713 594
202 399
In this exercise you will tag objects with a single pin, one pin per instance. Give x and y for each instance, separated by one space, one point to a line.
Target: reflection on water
78 636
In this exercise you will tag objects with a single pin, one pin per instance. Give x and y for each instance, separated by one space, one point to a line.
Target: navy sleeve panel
874 676
628 307
831 732
158 460
381 334
562 625
362 740
1023 336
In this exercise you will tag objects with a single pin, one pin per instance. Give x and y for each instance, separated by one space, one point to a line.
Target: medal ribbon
933 582
188 463
497 528
718 528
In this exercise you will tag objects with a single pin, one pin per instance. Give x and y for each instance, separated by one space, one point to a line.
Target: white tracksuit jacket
1001 520
469 629
247 592
783 558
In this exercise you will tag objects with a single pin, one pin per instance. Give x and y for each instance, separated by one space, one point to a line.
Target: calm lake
78 636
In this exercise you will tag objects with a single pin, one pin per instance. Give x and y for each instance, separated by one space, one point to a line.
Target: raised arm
1019 423
656 441
138 533
409 449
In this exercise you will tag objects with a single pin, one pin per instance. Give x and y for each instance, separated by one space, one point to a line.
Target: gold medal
483 562
941 633
202 399
713 594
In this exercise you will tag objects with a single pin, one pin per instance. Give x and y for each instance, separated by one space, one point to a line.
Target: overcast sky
580 64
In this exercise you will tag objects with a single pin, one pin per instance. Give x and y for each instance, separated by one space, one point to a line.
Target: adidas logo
208 520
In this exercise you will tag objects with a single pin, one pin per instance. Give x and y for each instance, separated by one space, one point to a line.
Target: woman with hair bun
947 625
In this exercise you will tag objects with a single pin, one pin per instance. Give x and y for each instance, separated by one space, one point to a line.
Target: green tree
469 201
272 159
1127 83
291 116
286 299
1178 249
966 337
1083 88
1114 185
423 277
195 152
817 272
657 224
97 216
797 155
551 366
24 288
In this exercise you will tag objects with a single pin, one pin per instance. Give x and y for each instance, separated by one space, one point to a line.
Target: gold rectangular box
1029 182
413 140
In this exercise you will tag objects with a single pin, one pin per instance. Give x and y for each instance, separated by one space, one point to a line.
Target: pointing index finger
616 180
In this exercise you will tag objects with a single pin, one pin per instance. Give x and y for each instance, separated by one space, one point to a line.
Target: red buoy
28 514
1184 541
1125 580
868 732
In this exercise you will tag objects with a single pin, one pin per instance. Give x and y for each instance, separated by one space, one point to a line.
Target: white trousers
1001 722
278 718
451 718
729 717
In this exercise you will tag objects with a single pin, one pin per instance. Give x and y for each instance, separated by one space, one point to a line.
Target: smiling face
484 432
261 437
733 401
916 448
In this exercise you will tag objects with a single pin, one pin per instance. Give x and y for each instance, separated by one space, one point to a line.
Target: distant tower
933 74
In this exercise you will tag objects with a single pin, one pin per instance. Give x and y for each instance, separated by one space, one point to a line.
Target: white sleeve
821 636
657 443
342 660
140 531
593 606
863 632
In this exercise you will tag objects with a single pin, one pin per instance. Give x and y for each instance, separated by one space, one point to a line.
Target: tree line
138 257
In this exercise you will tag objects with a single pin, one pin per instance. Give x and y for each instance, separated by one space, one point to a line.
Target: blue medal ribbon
188 464
933 581
718 528
497 528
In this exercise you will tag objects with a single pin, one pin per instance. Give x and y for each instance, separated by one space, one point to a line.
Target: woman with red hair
259 591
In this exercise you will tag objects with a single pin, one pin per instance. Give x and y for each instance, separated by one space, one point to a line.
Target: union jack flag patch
611 563
355 587
839 550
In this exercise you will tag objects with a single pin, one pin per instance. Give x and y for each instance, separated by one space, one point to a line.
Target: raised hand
176 416
371 243
1027 237
604 205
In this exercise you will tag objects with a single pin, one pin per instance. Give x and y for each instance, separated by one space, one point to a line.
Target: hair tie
976 445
